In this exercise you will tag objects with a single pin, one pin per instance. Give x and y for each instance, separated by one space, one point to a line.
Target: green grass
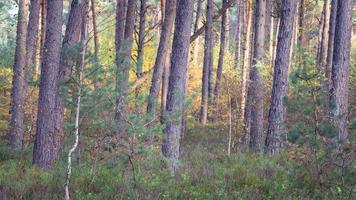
206 172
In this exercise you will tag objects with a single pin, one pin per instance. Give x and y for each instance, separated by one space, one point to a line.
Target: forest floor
206 172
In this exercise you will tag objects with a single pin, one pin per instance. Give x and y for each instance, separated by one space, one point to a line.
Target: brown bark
16 124
323 40
31 40
340 68
96 41
255 89
239 19
161 57
197 41
43 152
141 37
177 81
208 56
221 55
276 117
220 12
69 55
125 62
331 35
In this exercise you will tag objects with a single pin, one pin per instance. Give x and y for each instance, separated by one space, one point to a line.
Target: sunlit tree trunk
246 66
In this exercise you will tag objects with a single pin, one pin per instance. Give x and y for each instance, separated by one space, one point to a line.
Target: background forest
177 99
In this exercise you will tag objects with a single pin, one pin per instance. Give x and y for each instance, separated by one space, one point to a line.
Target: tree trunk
246 65
69 56
221 55
32 33
340 68
43 152
161 57
80 67
239 17
16 124
323 42
96 41
124 64
196 24
141 38
177 82
329 58
165 82
208 57
255 89
276 117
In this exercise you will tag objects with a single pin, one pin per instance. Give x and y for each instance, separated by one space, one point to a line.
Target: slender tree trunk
84 33
255 89
246 65
208 56
238 34
69 56
96 40
161 57
221 55
340 68
323 43
141 37
165 82
276 117
124 64
331 35
16 130
196 24
43 151
31 41
177 83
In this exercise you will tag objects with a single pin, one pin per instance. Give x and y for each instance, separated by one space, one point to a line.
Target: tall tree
221 54
32 33
96 39
323 40
16 130
208 60
340 68
43 147
141 37
196 24
69 56
255 89
161 57
330 51
177 81
125 62
239 19
246 65
276 117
